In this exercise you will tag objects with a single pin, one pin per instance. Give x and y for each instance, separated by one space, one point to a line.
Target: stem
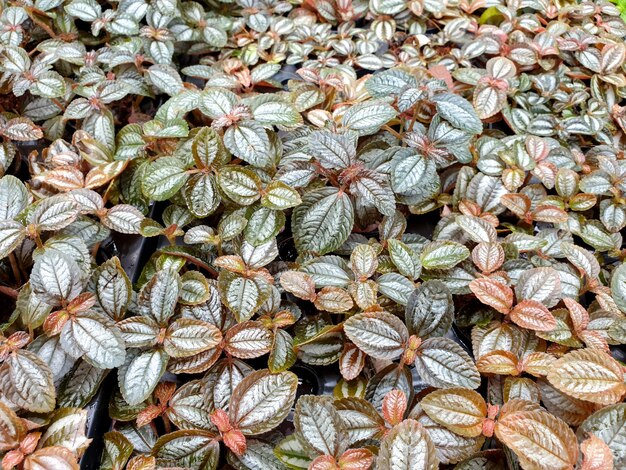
9 292
391 131
31 13
15 268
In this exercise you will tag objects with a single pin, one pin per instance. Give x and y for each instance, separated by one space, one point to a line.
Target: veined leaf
407 447
380 335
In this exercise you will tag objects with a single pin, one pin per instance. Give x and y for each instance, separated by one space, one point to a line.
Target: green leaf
293 453
158 297
443 254
272 112
414 176
187 337
97 337
165 78
163 178
323 221
442 363
618 287
249 141
117 451
380 335
262 400
112 288
189 448
332 150
140 374
430 310
368 117
11 236
405 259
14 197
279 196
54 213
80 385
458 112
26 381
282 356
55 277
67 429
240 184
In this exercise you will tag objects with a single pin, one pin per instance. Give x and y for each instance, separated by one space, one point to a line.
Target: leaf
248 339
262 400
380 335
272 112
407 447
541 285
279 196
414 175
12 429
242 295
11 236
67 429
249 141
140 374
332 150
123 218
159 296
539 439
55 277
187 337
319 425
14 197
430 310
589 374
282 355
368 117
609 425
443 363
54 213
165 78
460 410
163 178
190 448
97 337
618 287
22 129
597 455
479 230
323 222
239 184
27 382
113 289
493 293
406 260
458 112
443 254
533 315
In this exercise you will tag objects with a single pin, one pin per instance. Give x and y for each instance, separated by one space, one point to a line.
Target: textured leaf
539 439
460 410
589 374
493 293
380 335
458 112
319 424
262 401
187 337
368 117
443 363
443 254
140 374
26 381
97 336
430 310
407 447
323 221
55 277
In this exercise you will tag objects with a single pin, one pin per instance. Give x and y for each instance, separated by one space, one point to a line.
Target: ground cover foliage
287 156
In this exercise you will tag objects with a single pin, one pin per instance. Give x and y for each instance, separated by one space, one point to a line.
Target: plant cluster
285 155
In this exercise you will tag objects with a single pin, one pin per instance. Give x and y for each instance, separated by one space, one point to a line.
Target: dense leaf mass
421 203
